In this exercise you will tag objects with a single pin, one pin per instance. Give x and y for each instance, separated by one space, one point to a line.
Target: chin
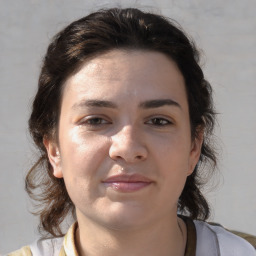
122 216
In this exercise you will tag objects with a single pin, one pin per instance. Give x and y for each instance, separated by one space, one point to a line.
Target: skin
127 135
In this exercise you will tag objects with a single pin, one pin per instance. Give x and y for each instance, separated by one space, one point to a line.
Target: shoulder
51 247
24 251
41 247
210 237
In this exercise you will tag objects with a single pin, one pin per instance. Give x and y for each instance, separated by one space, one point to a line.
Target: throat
151 242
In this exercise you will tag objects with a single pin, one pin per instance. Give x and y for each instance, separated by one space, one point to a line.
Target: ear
195 152
54 157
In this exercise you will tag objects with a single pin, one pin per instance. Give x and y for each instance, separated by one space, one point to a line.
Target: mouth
127 183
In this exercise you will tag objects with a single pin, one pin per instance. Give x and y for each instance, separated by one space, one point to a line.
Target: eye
94 121
159 121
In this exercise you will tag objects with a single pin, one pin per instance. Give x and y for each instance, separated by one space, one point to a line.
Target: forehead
127 73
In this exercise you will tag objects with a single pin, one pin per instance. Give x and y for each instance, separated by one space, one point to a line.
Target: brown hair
88 37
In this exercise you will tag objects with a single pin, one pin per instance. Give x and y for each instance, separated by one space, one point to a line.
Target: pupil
158 121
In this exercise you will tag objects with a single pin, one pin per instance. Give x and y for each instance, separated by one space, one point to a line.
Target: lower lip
127 187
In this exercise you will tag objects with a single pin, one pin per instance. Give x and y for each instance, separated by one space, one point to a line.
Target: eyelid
85 120
160 117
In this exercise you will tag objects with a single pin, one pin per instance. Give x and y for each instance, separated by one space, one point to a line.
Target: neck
163 238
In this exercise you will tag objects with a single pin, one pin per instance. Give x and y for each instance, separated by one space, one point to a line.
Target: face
125 147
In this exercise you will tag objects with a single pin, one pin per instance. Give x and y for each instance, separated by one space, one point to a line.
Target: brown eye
95 121
158 121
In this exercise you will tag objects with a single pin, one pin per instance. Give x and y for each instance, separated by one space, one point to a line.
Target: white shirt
210 241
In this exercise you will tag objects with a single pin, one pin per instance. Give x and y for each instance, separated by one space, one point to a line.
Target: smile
127 183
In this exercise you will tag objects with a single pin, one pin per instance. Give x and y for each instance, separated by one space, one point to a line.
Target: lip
127 183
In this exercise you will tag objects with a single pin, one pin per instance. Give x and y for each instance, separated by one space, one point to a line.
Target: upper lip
128 178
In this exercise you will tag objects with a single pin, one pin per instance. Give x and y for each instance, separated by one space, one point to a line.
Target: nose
127 145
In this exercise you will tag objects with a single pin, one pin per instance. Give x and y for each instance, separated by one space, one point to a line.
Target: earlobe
54 157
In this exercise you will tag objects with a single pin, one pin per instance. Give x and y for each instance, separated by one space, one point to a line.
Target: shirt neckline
69 240
191 236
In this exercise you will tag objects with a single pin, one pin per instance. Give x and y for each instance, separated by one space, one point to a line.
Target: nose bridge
128 144
127 133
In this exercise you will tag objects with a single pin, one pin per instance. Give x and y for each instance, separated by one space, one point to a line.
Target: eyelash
159 121
95 121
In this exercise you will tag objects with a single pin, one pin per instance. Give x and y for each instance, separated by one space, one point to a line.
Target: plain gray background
225 30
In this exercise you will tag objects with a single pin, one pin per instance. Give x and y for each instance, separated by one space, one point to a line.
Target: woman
123 118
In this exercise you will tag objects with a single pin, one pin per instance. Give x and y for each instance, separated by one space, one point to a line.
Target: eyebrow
159 103
95 103
108 104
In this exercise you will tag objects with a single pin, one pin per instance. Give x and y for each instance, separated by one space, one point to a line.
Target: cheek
83 156
173 163
83 162
174 149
